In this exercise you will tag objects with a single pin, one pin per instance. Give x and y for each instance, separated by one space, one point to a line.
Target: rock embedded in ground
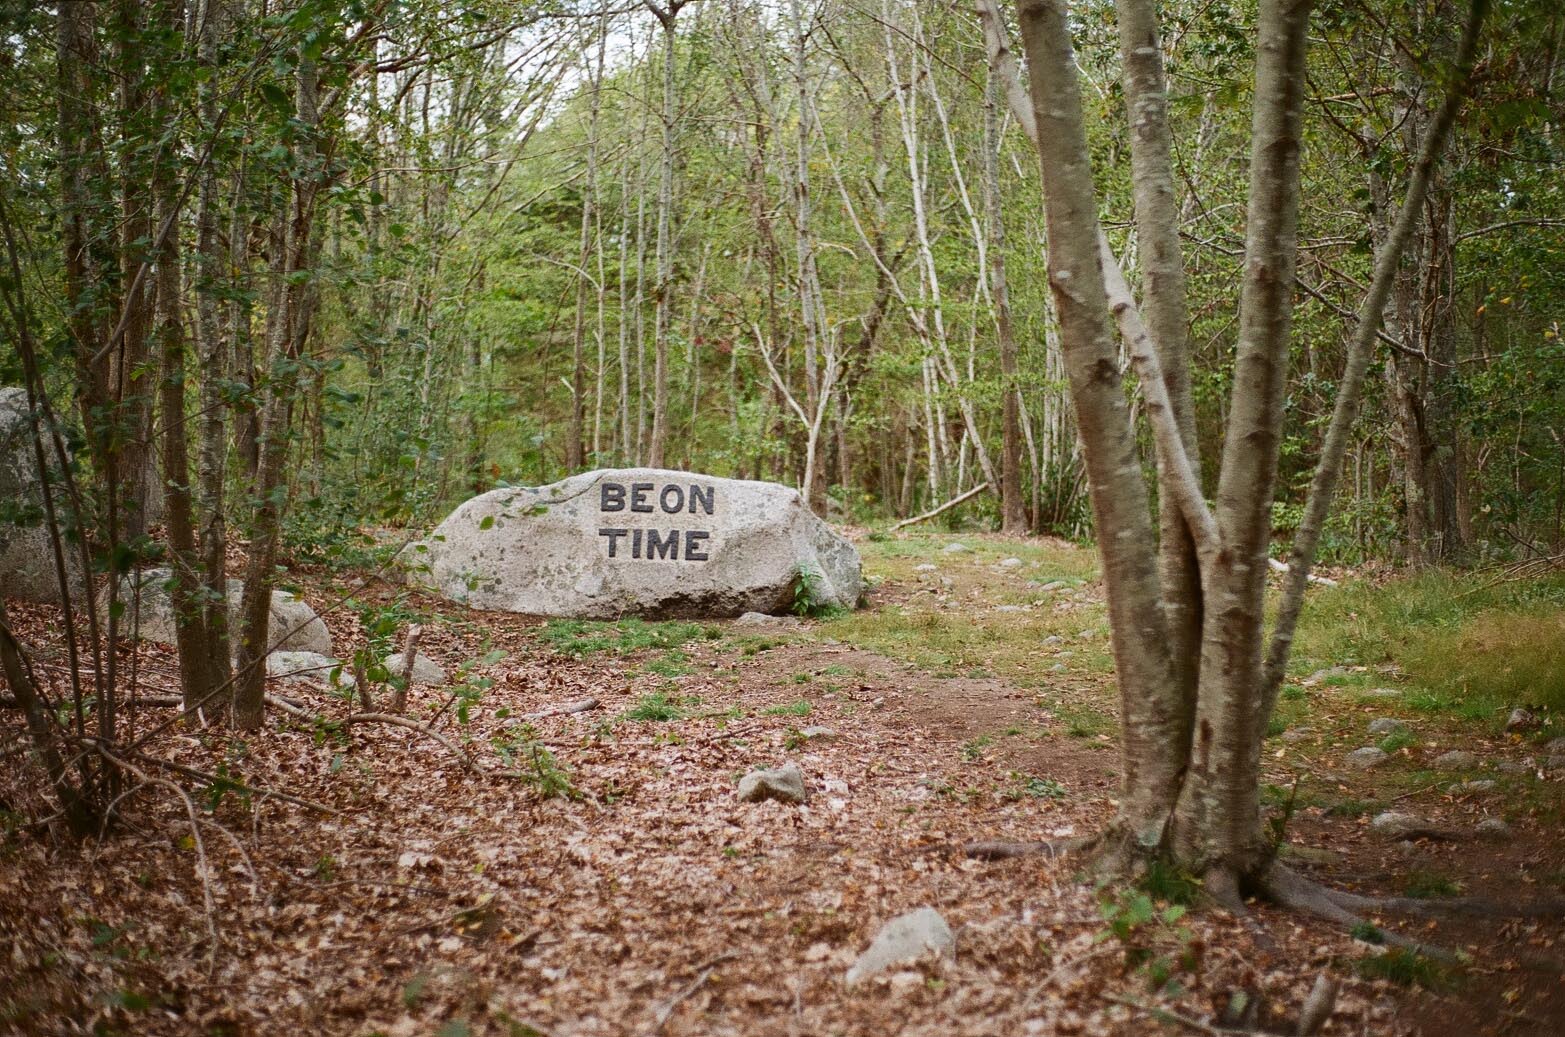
425 670
1396 825
1298 734
1009 608
926 567
638 542
955 549
1455 760
1054 585
761 619
305 667
1366 758
1521 719
1010 563
785 783
1555 747
294 626
1477 785
1515 766
1492 828
1382 693
906 938
1384 726
818 733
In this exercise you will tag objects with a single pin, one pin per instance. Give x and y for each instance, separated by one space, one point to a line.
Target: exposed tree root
1001 849
1287 888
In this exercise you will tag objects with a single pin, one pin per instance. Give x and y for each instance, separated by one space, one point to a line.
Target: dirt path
650 900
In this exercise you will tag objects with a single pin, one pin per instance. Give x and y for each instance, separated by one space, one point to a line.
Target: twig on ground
575 706
1166 1015
666 1009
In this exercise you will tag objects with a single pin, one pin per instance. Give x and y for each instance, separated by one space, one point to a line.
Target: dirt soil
431 894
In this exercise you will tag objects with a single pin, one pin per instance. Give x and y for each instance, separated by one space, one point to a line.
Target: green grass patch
1424 884
1469 649
1397 740
800 708
656 707
581 637
1408 968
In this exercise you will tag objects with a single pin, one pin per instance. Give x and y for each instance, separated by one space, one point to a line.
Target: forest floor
594 873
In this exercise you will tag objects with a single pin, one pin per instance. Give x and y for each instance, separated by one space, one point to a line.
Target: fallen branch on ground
947 506
574 706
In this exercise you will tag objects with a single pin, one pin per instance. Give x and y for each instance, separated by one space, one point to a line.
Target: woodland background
429 249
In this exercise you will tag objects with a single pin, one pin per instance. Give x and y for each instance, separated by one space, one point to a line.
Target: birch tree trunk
663 291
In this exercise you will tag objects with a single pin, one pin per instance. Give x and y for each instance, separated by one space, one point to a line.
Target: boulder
27 568
1365 758
1382 727
425 669
785 783
906 938
306 668
294 625
1455 760
638 542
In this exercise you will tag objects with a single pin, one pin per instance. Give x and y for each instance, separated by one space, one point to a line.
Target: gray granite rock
1455 760
1011 563
785 783
955 549
904 939
425 670
1366 758
1382 727
1492 829
293 626
637 542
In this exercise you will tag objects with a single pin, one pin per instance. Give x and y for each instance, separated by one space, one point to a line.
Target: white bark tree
1193 718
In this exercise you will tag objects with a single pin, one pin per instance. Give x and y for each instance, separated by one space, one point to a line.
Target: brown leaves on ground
444 901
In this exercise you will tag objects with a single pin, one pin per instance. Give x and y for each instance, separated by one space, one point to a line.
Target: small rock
955 549
1054 585
785 783
1480 785
1492 828
303 667
1010 608
1087 634
926 567
903 939
1382 693
1053 639
1515 766
761 619
1320 675
817 733
425 669
1455 760
1010 563
1554 763
1058 668
1393 824
1298 734
1521 719
1365 758
1556 747
1383 726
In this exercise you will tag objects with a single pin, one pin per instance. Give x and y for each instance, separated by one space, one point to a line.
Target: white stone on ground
906 938
926 567
1493 828
425 669
294 626
1010 563
723 547
785 783
303 667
